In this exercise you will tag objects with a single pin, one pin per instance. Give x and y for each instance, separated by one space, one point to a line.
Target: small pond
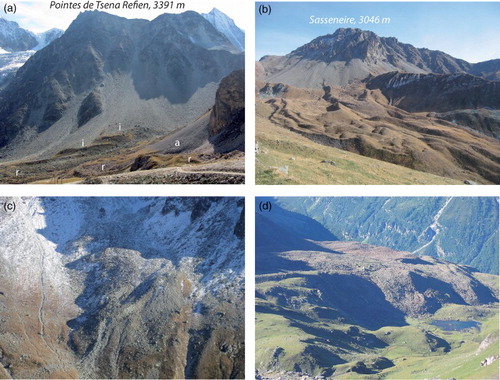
450 325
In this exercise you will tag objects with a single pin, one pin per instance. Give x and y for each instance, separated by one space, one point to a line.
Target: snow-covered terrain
84 268
168 228
47 37
17 45
226 26
10 63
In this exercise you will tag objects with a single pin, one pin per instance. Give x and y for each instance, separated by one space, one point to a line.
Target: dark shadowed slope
107 70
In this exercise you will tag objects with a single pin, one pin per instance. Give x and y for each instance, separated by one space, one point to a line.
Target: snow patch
401 80
226 26
435 226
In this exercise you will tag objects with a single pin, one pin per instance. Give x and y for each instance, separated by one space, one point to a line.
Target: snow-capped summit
17 45
14 38
226 26
47 37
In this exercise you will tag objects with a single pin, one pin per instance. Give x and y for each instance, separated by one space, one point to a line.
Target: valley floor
123 158
418 350
356 311
230 171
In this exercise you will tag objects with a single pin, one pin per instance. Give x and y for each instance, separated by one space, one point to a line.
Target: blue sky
469 31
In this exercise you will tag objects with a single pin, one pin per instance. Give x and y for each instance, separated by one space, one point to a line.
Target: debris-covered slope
123 287
105 70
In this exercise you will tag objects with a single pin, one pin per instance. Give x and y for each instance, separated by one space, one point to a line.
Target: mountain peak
225 24
175 59
344 44
215 11
90 18
14 38
7 22
347 32
354 54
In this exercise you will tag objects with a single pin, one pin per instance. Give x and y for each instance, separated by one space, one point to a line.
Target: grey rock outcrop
354 54
143 71
227 119
122 288
440 93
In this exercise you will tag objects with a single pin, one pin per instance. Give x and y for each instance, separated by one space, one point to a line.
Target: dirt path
219 170
181 170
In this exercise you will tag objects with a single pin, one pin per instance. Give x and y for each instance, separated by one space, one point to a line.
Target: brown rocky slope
389 101
84 293
363 121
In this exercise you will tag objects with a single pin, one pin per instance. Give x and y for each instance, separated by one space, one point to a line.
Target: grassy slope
407 346
461 362
278 146
275 331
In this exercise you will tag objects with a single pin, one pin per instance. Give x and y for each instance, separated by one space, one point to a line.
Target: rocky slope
440 93
488 69
459 229
107 70
485 121
227 119
218 132
285 230
390 285
346 90
86 293
347 309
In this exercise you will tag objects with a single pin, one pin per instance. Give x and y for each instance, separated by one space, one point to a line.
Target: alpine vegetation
336 297
382 110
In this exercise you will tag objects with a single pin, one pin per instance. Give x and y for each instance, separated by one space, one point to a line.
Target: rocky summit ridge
348 44
355 54
105 70
385 100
